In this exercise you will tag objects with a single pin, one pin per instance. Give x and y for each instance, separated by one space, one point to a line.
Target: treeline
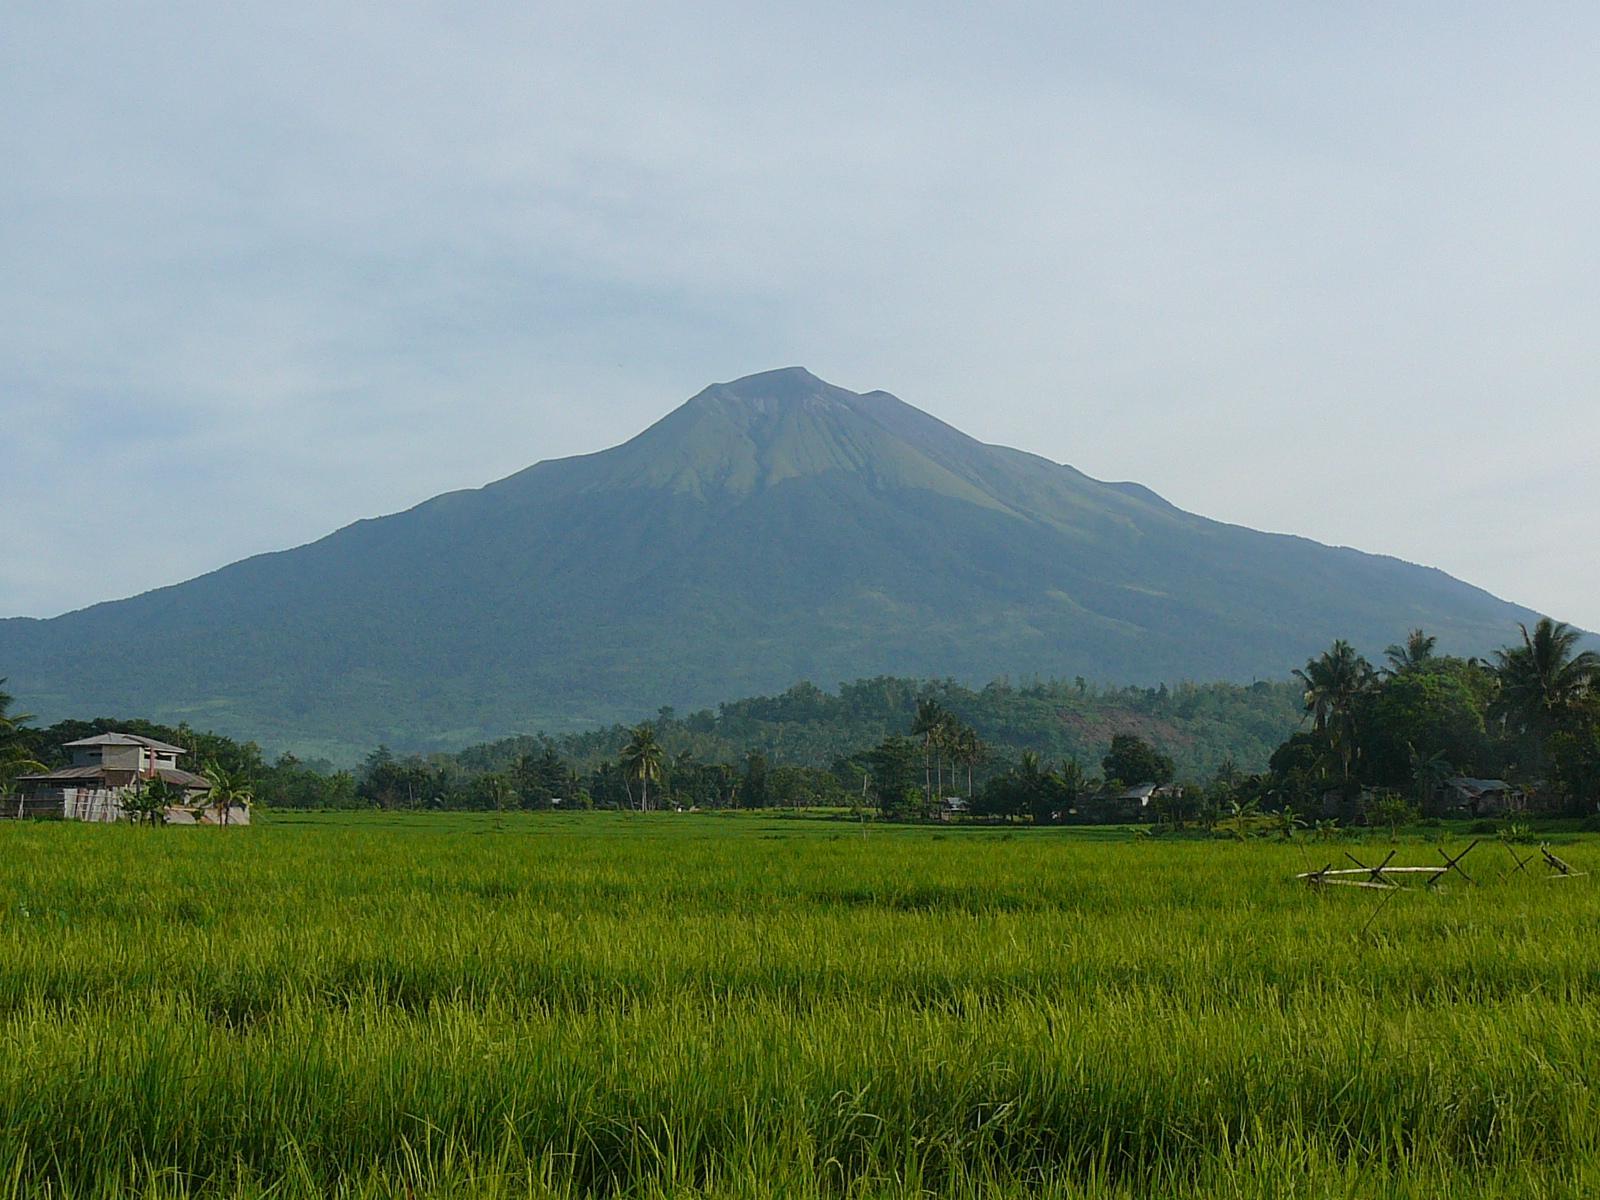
1529 715
1384 738
1381 744
802 747
888 743
642 776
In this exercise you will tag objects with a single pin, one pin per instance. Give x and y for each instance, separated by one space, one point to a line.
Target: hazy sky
1326 269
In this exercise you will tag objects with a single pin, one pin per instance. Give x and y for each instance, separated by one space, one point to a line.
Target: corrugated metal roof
183 778
67 775
173 775
1467 783
127 739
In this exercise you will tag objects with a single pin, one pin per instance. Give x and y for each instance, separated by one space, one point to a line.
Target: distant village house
106 769
1118 805
1464 796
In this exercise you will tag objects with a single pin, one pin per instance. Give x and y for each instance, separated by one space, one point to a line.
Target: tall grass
680 1005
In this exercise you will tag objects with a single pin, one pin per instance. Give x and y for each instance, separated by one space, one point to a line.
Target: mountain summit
771 529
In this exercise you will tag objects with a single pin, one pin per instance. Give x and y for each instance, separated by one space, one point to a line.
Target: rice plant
665 1005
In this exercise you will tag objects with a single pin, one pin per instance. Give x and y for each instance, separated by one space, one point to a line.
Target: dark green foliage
1305 755
1532 719
753 788
908 746
1029 790
1544 684
1198 726
290 783
1132 760
18 751
1336 685
1418 650
1573 752
893 768
805 787
542 779
1180 807
389 783
1436 709
770 530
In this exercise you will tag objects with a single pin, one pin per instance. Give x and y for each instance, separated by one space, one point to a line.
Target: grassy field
701 1005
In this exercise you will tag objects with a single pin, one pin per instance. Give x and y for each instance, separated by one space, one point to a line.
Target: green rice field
688 1005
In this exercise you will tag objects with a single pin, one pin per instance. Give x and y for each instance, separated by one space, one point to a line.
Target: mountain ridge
769 529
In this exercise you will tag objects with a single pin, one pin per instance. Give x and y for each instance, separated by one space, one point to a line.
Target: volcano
772 529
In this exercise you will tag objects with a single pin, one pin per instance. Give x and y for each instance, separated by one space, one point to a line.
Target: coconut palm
641 761
15 759
1545 677
968 751
929 726
10 722
1334 685
227 790
1416 651
948 736
1429 772
1073 779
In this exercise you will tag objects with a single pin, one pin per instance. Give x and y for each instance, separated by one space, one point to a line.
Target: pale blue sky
266 270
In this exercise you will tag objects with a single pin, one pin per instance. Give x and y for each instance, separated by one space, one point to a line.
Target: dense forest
1201 726
1374 742
1383 744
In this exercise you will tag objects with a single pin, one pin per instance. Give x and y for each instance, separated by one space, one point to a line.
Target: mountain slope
771 529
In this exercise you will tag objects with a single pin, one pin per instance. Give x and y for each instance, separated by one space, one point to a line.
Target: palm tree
683 775
930 721
641 761
1074 783
947 741
1333 687
1416 651
1542 679
969 751
14 756
1428 772
227 790
10 723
